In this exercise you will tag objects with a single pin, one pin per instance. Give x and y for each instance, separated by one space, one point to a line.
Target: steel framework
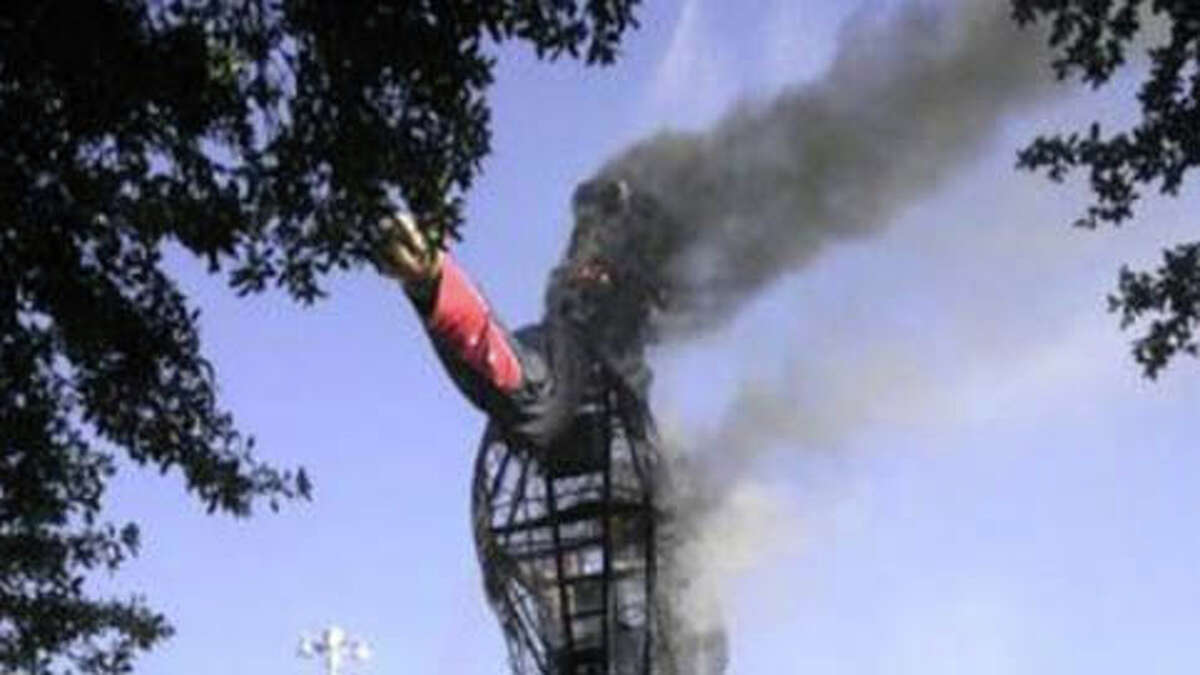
567 538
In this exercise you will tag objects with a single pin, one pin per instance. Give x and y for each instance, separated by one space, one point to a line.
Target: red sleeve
462 322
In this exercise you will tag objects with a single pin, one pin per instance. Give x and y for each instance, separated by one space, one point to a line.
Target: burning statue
577 524
571 526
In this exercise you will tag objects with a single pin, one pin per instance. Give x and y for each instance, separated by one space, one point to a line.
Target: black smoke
692 224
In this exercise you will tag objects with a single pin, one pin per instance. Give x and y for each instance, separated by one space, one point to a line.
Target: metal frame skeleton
567 542
579 557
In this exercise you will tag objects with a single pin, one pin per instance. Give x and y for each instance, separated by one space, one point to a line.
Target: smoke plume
910 96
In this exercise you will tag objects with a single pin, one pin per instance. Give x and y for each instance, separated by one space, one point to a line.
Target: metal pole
334 639
334 647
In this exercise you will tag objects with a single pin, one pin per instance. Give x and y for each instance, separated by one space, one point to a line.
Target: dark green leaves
1090 40
1171 293
266 136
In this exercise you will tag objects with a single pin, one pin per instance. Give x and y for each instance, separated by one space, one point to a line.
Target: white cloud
799 39
692 83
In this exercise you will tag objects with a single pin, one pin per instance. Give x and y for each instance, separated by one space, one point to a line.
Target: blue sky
963 470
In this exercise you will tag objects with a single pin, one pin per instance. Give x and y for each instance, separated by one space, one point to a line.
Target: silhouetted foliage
1090 40
267 136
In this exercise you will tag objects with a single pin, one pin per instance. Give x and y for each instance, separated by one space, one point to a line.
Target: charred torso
567 538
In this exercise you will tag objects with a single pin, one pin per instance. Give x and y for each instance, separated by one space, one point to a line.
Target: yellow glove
407 255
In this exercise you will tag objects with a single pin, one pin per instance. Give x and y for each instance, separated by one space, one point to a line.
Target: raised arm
478 352
531 386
